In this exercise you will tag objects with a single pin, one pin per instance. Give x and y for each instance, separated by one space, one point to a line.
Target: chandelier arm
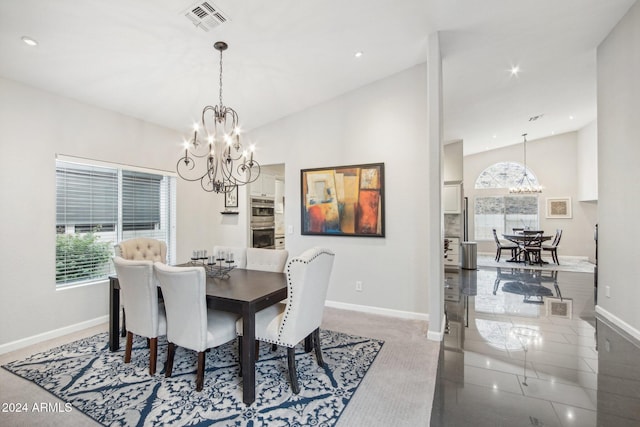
190 165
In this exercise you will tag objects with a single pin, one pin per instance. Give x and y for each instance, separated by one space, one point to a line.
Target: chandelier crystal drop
227 164
525 186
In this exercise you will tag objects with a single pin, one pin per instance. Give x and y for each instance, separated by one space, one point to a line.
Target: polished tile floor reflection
521 350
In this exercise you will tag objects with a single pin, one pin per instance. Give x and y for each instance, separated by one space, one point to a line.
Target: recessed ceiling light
495 136
515 69
570 117
29 41
358 54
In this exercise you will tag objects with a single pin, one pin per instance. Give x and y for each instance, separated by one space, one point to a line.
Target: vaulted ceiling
147 59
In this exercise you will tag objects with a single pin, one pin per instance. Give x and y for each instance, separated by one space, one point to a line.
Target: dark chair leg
497 257
240 354
257 344
291 356
171 351
200 371
274 347
308 343
153 355
316 345
127 351
123 333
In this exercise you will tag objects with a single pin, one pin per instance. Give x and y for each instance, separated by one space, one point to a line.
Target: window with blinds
504 213
99 205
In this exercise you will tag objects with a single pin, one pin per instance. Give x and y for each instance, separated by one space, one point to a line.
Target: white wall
34 126
554 162
382 122
452 155
618 171
588 163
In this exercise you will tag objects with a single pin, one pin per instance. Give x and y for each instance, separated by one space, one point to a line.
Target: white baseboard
438 336
619 323
377 310
35 339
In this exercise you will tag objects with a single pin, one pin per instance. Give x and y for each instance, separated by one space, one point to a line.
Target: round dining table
521 239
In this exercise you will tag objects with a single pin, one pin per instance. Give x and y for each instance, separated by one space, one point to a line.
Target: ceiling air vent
205 15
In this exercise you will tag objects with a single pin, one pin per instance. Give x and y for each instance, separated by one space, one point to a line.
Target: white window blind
99 206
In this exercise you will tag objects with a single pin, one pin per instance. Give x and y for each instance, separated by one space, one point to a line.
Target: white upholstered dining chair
266 259
287 324
145 316
142 248
190 324
239 254
139 249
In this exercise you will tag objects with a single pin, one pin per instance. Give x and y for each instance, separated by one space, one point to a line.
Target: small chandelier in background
228 164
525 186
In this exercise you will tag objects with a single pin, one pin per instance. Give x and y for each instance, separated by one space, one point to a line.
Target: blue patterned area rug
98 382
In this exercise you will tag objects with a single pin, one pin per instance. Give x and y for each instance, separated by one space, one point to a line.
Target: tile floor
506 362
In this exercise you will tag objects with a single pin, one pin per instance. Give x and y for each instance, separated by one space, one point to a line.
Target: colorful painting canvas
343 200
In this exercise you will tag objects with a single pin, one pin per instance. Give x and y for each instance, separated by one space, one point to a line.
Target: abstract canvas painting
343 200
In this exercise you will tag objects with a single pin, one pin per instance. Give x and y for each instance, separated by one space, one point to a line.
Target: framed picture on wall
343 200
231 198
559 207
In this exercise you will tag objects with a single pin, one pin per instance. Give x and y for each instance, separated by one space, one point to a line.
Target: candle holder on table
217 266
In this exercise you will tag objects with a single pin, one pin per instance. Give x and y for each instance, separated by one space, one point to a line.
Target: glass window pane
91 216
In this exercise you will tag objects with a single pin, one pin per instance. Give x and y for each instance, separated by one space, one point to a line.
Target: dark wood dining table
244 292
521 239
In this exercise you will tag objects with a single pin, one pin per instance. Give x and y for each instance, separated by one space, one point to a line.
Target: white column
433 174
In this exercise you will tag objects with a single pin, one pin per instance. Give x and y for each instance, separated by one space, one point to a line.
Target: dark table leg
114 315
308 343
248 355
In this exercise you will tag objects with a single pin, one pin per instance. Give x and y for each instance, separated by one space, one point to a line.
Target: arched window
503 212
503 175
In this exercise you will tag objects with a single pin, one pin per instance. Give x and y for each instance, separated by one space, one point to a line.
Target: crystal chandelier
228 164
525 186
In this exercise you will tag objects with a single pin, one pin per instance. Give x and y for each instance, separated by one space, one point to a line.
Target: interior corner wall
34 127
553 161
618 172
588 163
382 122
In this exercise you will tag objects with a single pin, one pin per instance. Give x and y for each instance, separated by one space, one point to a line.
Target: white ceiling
144 58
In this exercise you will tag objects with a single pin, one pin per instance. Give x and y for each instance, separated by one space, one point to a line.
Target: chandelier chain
221 78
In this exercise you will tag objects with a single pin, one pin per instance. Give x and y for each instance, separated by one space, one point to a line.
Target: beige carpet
398 389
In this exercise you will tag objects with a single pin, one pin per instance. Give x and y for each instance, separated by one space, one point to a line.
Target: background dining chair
266 259
553 247
533 249
139 248
503 247
287 324
142 248
146 317
190 324
239 254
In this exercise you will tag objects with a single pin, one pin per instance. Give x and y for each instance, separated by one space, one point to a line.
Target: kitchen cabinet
453 254
452 198
264 186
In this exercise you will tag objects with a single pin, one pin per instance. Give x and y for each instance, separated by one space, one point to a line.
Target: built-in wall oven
263 238
262 223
